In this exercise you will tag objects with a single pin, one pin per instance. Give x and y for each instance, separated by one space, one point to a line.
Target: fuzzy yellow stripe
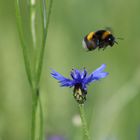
105 34
90 36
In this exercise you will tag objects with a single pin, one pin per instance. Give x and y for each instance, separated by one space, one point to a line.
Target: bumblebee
99 39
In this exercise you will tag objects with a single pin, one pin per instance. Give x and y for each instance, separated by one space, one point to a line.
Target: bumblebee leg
105 47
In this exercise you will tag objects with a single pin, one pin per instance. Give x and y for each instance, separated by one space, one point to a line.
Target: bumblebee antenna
116 42
109 29
120 38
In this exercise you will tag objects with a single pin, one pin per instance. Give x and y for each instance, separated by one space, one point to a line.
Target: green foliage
33 50
112 106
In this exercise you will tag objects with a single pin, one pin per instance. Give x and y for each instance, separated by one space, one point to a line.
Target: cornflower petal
78 74
100 75
61 79
96 75
101 68
74 74
83 74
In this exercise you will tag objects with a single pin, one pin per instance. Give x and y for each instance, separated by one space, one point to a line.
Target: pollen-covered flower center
79 94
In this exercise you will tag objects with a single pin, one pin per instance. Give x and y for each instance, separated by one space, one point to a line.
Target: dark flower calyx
79 94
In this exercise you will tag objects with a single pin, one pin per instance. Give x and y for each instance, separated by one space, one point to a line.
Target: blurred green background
112 105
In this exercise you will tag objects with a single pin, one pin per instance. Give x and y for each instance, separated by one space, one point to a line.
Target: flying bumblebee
99 39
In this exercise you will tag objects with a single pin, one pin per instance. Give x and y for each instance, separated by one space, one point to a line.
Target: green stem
40 60
32 9
35 97
41 120
84 122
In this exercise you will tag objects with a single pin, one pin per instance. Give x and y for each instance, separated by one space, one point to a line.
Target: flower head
56 137
79 80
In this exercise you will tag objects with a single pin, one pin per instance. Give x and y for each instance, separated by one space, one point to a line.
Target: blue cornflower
55 137
80 80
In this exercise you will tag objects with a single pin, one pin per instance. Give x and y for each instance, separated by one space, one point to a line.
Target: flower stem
41 120
35 97
84 122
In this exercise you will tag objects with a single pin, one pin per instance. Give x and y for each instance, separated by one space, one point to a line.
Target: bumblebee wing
94 44
109 29
89 45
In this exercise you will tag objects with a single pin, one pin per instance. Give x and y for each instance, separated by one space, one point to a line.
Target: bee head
111 40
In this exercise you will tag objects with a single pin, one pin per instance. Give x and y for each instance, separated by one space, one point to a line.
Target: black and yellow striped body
99 39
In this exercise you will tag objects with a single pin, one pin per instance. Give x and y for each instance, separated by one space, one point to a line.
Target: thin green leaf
19 24
41 55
